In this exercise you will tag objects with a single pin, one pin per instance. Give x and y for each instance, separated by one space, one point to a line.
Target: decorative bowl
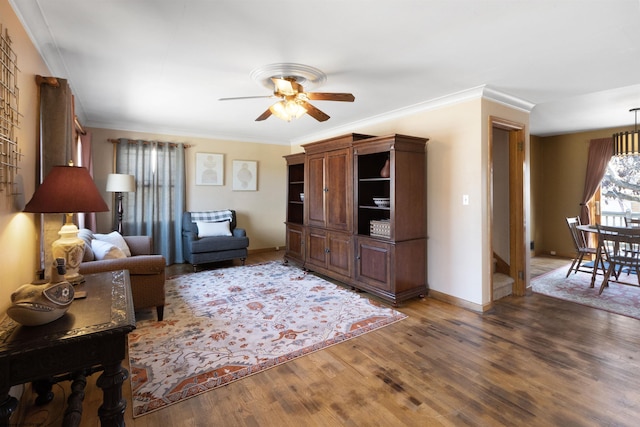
302 197
382 202
37 304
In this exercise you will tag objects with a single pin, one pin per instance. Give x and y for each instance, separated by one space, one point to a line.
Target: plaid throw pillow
212 216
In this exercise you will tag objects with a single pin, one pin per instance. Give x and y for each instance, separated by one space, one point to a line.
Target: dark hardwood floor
533 361
545 263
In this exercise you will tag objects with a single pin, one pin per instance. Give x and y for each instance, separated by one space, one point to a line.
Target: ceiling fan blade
264 115
325 96
245 97
315 113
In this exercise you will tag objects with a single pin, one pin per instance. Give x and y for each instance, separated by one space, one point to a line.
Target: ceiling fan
294 101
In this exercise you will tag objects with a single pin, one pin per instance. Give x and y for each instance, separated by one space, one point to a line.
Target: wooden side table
90 337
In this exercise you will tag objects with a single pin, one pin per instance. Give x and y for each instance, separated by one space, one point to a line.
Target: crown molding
506 99
477 92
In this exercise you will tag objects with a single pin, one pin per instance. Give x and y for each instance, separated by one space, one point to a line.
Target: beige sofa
146 270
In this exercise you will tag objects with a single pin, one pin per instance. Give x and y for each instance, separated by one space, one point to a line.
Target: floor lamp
120 183
67 190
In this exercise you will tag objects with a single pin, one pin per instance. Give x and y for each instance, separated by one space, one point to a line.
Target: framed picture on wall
245 175
209 169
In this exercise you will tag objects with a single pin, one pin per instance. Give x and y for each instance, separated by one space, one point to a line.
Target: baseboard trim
459 302
262 250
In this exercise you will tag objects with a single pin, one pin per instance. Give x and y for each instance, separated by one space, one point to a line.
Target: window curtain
57 136
156 208
600 152
56 147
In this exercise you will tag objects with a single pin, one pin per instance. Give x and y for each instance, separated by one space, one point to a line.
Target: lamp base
71 248
74 280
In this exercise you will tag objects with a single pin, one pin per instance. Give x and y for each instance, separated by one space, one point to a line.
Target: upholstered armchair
146 270
212 236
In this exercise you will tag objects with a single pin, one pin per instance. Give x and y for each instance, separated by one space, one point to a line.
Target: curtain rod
79 127
134 141
51 81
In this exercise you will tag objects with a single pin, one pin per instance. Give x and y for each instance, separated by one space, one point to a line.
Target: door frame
517 217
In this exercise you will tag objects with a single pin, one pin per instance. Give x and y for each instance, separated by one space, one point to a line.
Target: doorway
508 231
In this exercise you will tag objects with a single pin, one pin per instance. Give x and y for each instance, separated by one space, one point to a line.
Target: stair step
502 286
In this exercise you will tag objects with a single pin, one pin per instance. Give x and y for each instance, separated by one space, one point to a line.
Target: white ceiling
160 65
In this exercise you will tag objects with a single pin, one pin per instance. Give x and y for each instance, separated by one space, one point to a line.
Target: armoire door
315 190
339 195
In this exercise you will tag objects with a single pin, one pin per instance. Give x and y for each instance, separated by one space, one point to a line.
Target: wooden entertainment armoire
335 229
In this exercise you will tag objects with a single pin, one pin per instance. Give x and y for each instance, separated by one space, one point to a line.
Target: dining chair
584 253
622 251
632 222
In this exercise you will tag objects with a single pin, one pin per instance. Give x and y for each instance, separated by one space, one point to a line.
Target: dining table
624 251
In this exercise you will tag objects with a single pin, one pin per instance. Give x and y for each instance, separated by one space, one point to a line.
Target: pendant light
627 143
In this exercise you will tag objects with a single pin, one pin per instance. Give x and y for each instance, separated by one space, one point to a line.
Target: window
620 190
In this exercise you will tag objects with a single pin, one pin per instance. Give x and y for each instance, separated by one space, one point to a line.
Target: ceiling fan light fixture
627 143
287 110
306 75
287 82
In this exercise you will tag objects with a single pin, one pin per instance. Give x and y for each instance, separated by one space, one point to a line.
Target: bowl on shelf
302 197
382 202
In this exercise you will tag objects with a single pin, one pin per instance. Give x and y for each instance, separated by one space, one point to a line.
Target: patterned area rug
223 325
617 298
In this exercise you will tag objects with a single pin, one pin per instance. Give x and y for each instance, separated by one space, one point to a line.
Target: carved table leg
73 413
113 405
43 390
8 404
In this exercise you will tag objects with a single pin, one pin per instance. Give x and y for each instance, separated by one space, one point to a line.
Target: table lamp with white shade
120 183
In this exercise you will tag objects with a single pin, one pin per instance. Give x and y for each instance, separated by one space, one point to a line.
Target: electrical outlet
465 199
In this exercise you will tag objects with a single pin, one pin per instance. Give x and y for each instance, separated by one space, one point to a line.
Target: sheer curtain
85 220
156 208
600 152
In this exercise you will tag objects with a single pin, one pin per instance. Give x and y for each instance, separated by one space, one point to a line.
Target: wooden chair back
579 240
621 246
632 222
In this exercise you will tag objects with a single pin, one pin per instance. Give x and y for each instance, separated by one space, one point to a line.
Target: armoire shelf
294 223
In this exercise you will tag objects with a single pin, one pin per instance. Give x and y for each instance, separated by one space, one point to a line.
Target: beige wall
260 212
536 184
557 184
18 236
459 259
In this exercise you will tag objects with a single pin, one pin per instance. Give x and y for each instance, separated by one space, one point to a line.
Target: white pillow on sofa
115 239
106 250
211 229
87 235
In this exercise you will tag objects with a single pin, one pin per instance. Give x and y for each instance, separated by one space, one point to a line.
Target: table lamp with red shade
67 190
